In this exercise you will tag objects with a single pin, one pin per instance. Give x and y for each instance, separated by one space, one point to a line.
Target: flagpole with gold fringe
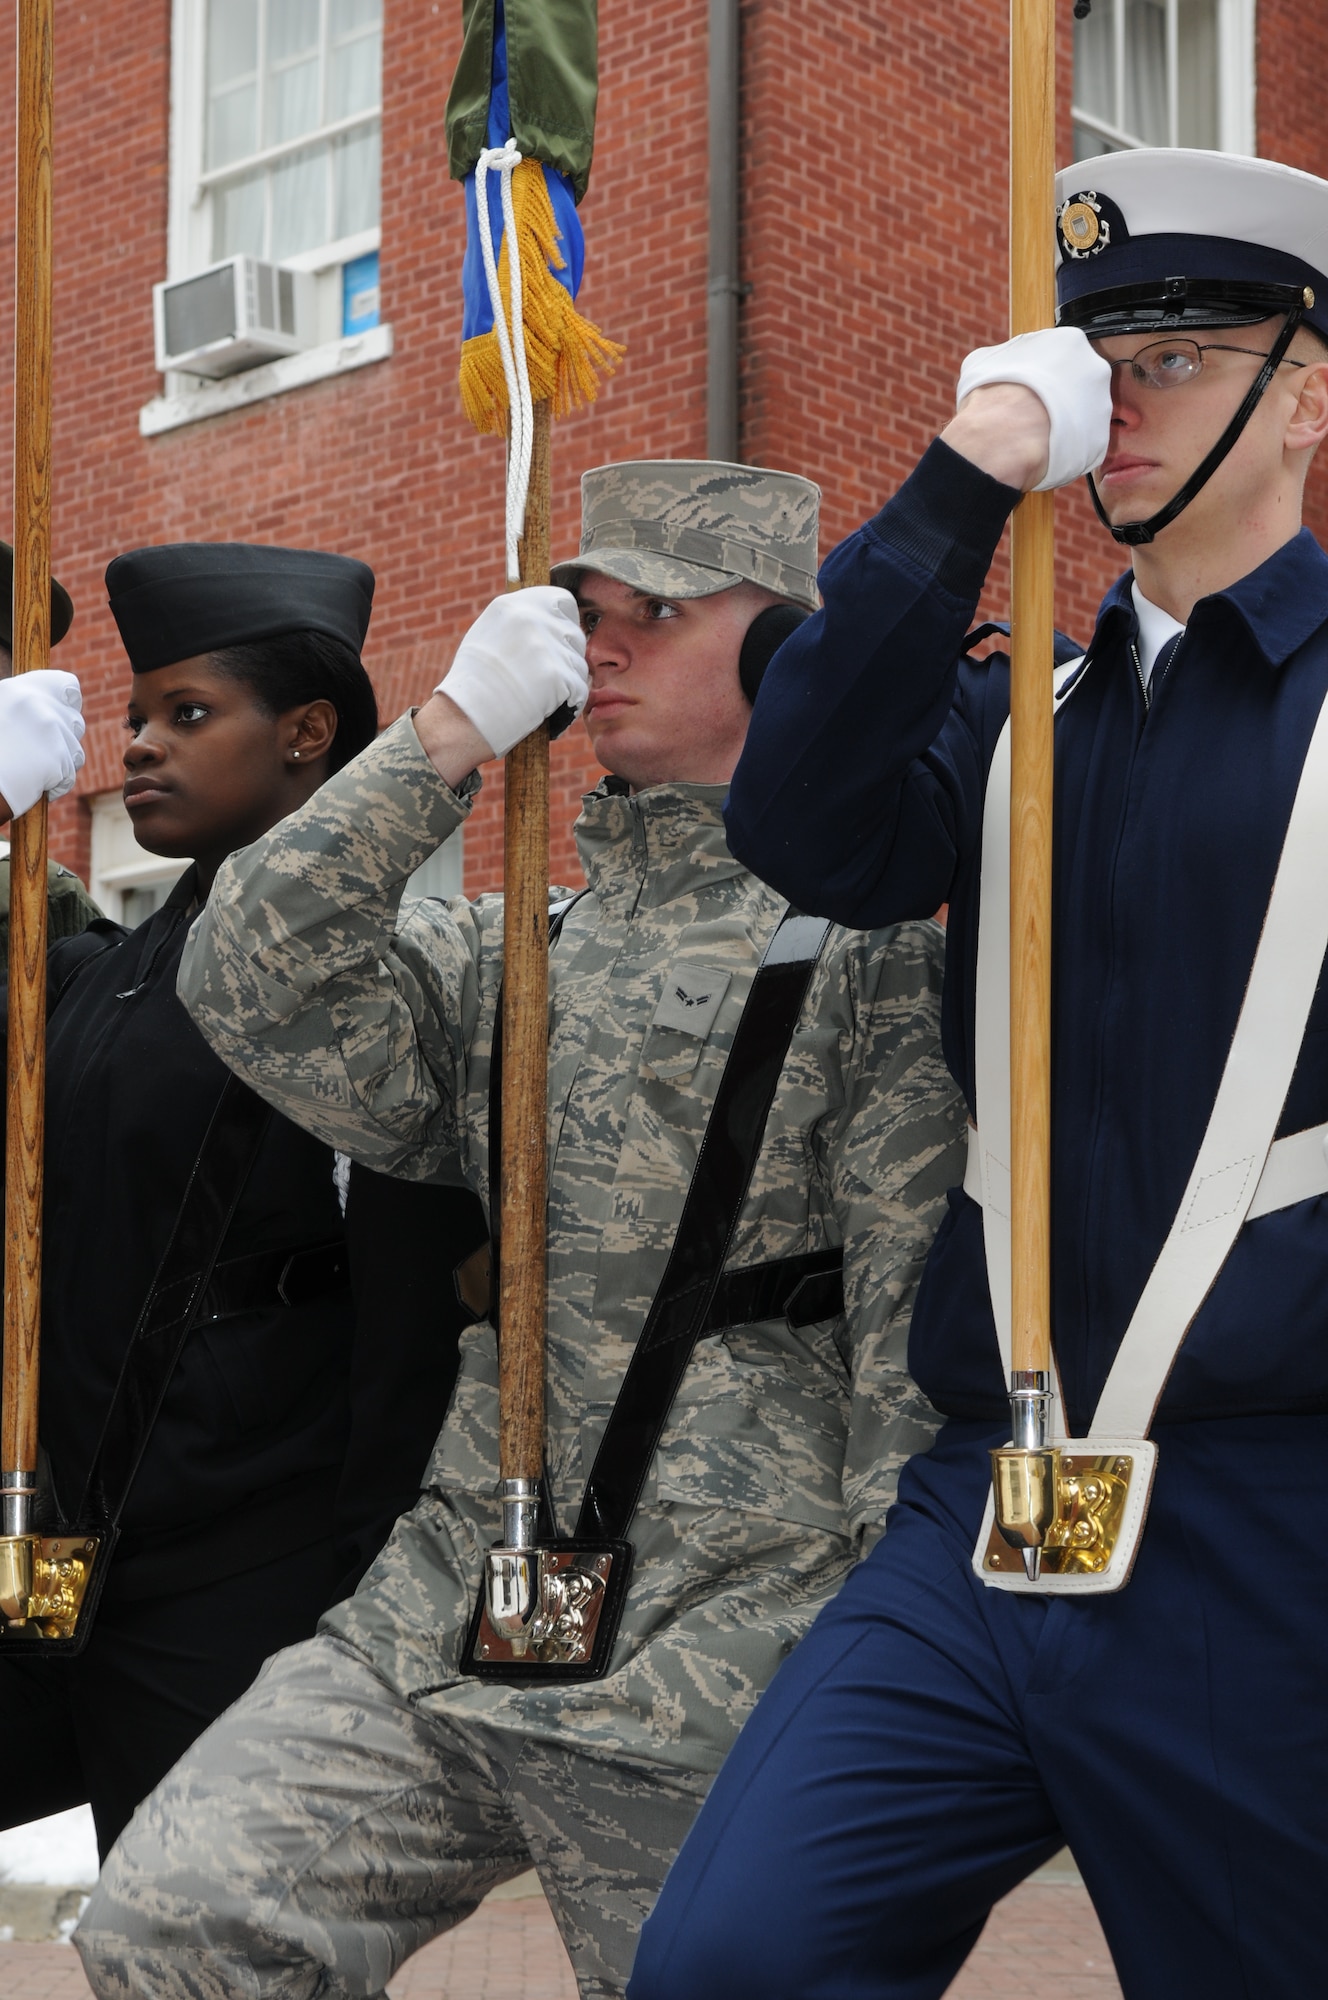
520 124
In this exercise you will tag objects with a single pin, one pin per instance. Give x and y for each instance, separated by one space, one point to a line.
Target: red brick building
872 195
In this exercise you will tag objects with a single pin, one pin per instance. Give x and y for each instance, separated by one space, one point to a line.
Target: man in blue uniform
934 1739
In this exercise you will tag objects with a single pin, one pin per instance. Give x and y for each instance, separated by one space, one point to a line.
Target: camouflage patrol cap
688 527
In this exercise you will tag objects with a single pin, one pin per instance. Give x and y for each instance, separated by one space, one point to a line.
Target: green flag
552 81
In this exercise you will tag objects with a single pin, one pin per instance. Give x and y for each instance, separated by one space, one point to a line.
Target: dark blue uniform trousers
932 1741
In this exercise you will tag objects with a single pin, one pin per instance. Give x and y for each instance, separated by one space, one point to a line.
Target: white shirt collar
1156 626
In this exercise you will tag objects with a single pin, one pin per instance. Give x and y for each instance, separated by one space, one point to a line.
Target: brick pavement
1042 1943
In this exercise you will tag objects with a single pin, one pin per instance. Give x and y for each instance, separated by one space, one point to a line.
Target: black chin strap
1135 532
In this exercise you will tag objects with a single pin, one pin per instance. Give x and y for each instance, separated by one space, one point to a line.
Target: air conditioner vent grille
200 310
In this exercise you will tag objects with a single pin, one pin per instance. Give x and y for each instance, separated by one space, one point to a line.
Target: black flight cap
62 604
186 598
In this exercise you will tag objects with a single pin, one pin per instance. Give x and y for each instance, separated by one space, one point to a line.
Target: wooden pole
525 1086
1032 305
26 1097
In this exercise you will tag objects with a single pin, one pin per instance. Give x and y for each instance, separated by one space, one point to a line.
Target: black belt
798 1290
266 1279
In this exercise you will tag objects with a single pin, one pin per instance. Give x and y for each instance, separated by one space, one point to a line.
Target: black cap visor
1179 305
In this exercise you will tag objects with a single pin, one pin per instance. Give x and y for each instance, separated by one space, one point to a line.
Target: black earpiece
765 635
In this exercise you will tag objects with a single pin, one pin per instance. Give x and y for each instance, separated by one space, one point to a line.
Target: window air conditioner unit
232 316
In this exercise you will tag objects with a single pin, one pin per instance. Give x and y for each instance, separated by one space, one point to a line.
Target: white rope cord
504 160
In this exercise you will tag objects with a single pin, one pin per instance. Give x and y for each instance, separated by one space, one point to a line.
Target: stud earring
295 753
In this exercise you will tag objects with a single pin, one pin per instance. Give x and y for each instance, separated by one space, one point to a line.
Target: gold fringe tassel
564 352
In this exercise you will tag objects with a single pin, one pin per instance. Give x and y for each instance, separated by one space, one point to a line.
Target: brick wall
874 247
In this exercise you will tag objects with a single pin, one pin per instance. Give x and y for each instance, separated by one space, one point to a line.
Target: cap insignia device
1084 230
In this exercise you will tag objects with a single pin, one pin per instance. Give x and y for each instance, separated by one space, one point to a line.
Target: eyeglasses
1167 364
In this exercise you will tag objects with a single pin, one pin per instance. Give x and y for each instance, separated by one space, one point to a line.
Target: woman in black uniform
252 1480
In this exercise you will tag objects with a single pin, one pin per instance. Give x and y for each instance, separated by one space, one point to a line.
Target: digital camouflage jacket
371 1023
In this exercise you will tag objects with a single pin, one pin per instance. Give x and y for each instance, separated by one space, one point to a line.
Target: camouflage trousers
325 1828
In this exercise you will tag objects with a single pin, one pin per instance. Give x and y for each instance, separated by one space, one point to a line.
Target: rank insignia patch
1084 229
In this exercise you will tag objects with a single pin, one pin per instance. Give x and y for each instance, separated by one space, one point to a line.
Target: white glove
41 737
1069 379
524 657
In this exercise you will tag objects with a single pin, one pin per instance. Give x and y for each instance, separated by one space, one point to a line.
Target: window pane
1197 73
1146 71
355 72
345 16
292 29
237 217
232 125
232 41
356 158
1095 63
137 905
299 203
292 102
1090 145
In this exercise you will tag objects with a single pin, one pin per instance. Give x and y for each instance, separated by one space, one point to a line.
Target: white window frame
189 230
1235 78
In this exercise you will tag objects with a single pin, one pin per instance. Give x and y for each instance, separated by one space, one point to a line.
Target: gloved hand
41 737
1069 379
523 658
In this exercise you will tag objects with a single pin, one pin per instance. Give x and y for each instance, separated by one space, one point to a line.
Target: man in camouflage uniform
365 1795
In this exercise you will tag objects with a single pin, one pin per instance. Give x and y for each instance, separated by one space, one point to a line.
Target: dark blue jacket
860 796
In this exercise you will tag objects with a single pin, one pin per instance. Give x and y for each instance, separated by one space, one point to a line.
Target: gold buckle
1076 1500
43 1581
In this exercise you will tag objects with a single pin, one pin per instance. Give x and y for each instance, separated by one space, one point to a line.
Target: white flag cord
504 160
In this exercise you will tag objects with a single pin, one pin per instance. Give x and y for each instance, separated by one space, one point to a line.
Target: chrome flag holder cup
550 1611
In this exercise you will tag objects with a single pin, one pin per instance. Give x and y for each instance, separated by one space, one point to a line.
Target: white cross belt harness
1240 1171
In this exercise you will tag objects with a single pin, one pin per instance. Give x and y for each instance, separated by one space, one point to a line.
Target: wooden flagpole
26 1097
1032 305
525 1082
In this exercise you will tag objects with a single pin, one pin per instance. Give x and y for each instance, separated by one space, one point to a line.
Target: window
276 120
291 148
125 880
1164 73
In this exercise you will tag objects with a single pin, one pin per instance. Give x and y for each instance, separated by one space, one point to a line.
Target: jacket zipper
1146 685
1139 674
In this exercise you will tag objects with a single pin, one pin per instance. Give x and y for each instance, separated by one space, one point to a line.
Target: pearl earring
295 753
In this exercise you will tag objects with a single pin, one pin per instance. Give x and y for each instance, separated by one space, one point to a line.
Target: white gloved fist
523 658
1071 381
41 737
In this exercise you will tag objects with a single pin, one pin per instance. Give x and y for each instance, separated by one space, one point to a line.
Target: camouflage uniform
314 1866
69 907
